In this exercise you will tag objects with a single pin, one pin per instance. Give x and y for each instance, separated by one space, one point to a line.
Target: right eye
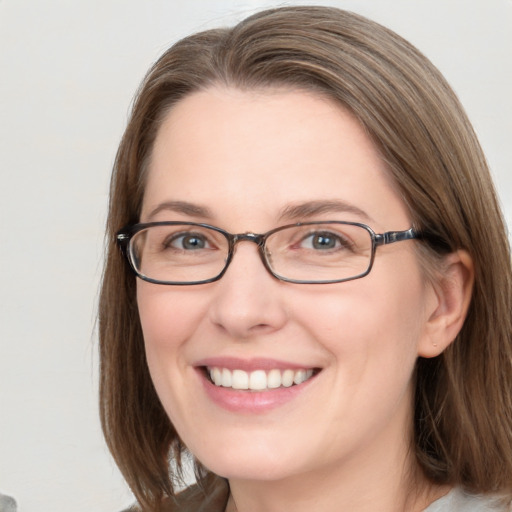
187 242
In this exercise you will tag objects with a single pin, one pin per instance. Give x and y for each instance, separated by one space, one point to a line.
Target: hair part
463 403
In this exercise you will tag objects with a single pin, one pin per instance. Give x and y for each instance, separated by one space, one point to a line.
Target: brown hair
463 406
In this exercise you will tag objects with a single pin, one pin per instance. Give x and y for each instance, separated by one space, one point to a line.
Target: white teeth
240 379
217 377
299 377
287 378
274 379
258 380
226 378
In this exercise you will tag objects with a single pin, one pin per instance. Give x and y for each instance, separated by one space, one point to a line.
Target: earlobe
449 305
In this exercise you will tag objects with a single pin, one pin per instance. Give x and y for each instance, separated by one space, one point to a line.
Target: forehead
263 151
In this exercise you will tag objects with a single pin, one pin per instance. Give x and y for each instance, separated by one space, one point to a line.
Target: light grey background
68 71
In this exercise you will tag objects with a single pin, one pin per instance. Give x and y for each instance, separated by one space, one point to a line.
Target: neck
394 484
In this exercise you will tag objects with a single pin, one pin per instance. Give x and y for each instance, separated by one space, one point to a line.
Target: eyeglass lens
311 252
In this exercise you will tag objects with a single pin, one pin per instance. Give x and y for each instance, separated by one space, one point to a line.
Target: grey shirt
214 497
459 501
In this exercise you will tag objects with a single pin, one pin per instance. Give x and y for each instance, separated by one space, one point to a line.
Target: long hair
463 400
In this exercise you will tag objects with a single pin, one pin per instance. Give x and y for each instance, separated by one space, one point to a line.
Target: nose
248 301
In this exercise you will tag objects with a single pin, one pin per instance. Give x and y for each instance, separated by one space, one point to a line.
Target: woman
317 293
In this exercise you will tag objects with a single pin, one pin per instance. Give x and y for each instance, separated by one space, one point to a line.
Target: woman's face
249 162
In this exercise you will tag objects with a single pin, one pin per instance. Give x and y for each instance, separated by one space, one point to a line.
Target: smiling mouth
258 380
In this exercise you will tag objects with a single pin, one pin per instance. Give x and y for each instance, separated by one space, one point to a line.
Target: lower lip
246 401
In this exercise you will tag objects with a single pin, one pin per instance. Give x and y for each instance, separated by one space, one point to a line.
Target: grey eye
188 242
323 241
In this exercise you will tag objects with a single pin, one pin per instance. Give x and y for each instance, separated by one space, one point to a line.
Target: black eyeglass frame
124 236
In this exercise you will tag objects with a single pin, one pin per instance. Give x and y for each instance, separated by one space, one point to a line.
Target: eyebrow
183 207
311 208
293 212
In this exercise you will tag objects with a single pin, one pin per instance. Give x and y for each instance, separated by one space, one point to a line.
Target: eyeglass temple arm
395 236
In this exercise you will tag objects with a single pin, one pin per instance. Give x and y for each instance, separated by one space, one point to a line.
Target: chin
251 472
252 463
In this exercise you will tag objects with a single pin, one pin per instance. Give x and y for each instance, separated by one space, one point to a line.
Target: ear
447 306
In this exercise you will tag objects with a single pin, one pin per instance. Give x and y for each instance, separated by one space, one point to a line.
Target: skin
342 443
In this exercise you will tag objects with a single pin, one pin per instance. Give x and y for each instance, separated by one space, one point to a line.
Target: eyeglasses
177 253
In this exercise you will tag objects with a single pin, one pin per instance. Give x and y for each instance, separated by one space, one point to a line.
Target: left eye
323 241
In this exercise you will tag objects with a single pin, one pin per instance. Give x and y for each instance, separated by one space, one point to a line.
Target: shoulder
211 496
460 501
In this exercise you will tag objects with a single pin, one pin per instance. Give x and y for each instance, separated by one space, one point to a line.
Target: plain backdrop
68 71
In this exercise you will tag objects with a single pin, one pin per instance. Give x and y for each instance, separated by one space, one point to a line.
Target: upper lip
249 365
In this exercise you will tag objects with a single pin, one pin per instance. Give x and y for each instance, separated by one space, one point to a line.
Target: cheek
359 317
168 316
372 339
375 323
